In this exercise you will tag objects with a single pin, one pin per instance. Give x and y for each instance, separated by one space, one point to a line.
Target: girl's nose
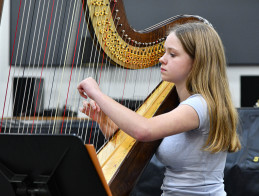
162 59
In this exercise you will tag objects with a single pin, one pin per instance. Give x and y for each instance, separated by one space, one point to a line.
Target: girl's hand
88 88
107 126
92 110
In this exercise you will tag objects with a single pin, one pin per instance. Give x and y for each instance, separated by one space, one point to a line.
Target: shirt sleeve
198 103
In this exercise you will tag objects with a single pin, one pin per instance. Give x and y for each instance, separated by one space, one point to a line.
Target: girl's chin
164 79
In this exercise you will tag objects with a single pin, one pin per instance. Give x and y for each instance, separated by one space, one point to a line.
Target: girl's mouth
162 70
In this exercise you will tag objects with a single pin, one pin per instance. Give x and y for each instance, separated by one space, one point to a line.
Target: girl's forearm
127 120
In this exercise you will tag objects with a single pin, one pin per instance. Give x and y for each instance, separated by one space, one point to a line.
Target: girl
198 133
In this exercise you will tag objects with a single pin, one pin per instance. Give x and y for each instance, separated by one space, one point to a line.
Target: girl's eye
172 55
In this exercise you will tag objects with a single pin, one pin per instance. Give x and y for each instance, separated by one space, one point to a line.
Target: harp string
101 76
23 75
143 77
22 49
72 67
93 58
51 61
19 39
34 68
119 71
26 81
125 83
40 122
99 67
78 78
129 76
22 25
52 81
56 73
102 63
45 50
64 66
10 67
98 55
67 120
79 99
75 88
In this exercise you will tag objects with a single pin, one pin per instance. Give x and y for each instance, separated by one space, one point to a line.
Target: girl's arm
183 118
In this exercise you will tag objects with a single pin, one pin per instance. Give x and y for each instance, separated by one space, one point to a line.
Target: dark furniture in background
249 90
242 168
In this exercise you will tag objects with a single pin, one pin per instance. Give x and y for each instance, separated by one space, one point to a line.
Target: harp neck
120 42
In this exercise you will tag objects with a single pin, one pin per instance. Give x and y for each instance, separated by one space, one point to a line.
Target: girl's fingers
95 106
85 103
91 109
81 109
82 93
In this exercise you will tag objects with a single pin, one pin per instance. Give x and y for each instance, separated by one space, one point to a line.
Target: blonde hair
208 78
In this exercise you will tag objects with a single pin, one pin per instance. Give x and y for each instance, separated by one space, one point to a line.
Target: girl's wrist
97 95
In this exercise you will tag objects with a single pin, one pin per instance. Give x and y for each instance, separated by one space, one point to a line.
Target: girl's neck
182 93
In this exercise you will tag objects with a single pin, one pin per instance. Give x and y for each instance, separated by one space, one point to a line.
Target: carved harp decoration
58 29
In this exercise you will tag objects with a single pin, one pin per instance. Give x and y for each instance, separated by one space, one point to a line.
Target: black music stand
49 165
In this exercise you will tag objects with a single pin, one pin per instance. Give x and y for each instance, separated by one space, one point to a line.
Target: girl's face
176 64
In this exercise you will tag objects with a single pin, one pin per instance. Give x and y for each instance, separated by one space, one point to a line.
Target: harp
58 52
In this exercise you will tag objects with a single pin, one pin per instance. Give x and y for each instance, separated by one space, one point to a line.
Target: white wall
234 73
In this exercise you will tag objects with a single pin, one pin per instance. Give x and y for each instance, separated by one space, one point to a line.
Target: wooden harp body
122 158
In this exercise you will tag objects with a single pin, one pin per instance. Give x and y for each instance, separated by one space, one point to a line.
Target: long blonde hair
208 77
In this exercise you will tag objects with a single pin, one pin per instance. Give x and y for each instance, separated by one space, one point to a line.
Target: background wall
235 20
234 26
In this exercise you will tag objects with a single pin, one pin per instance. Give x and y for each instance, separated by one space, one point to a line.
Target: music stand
49 165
